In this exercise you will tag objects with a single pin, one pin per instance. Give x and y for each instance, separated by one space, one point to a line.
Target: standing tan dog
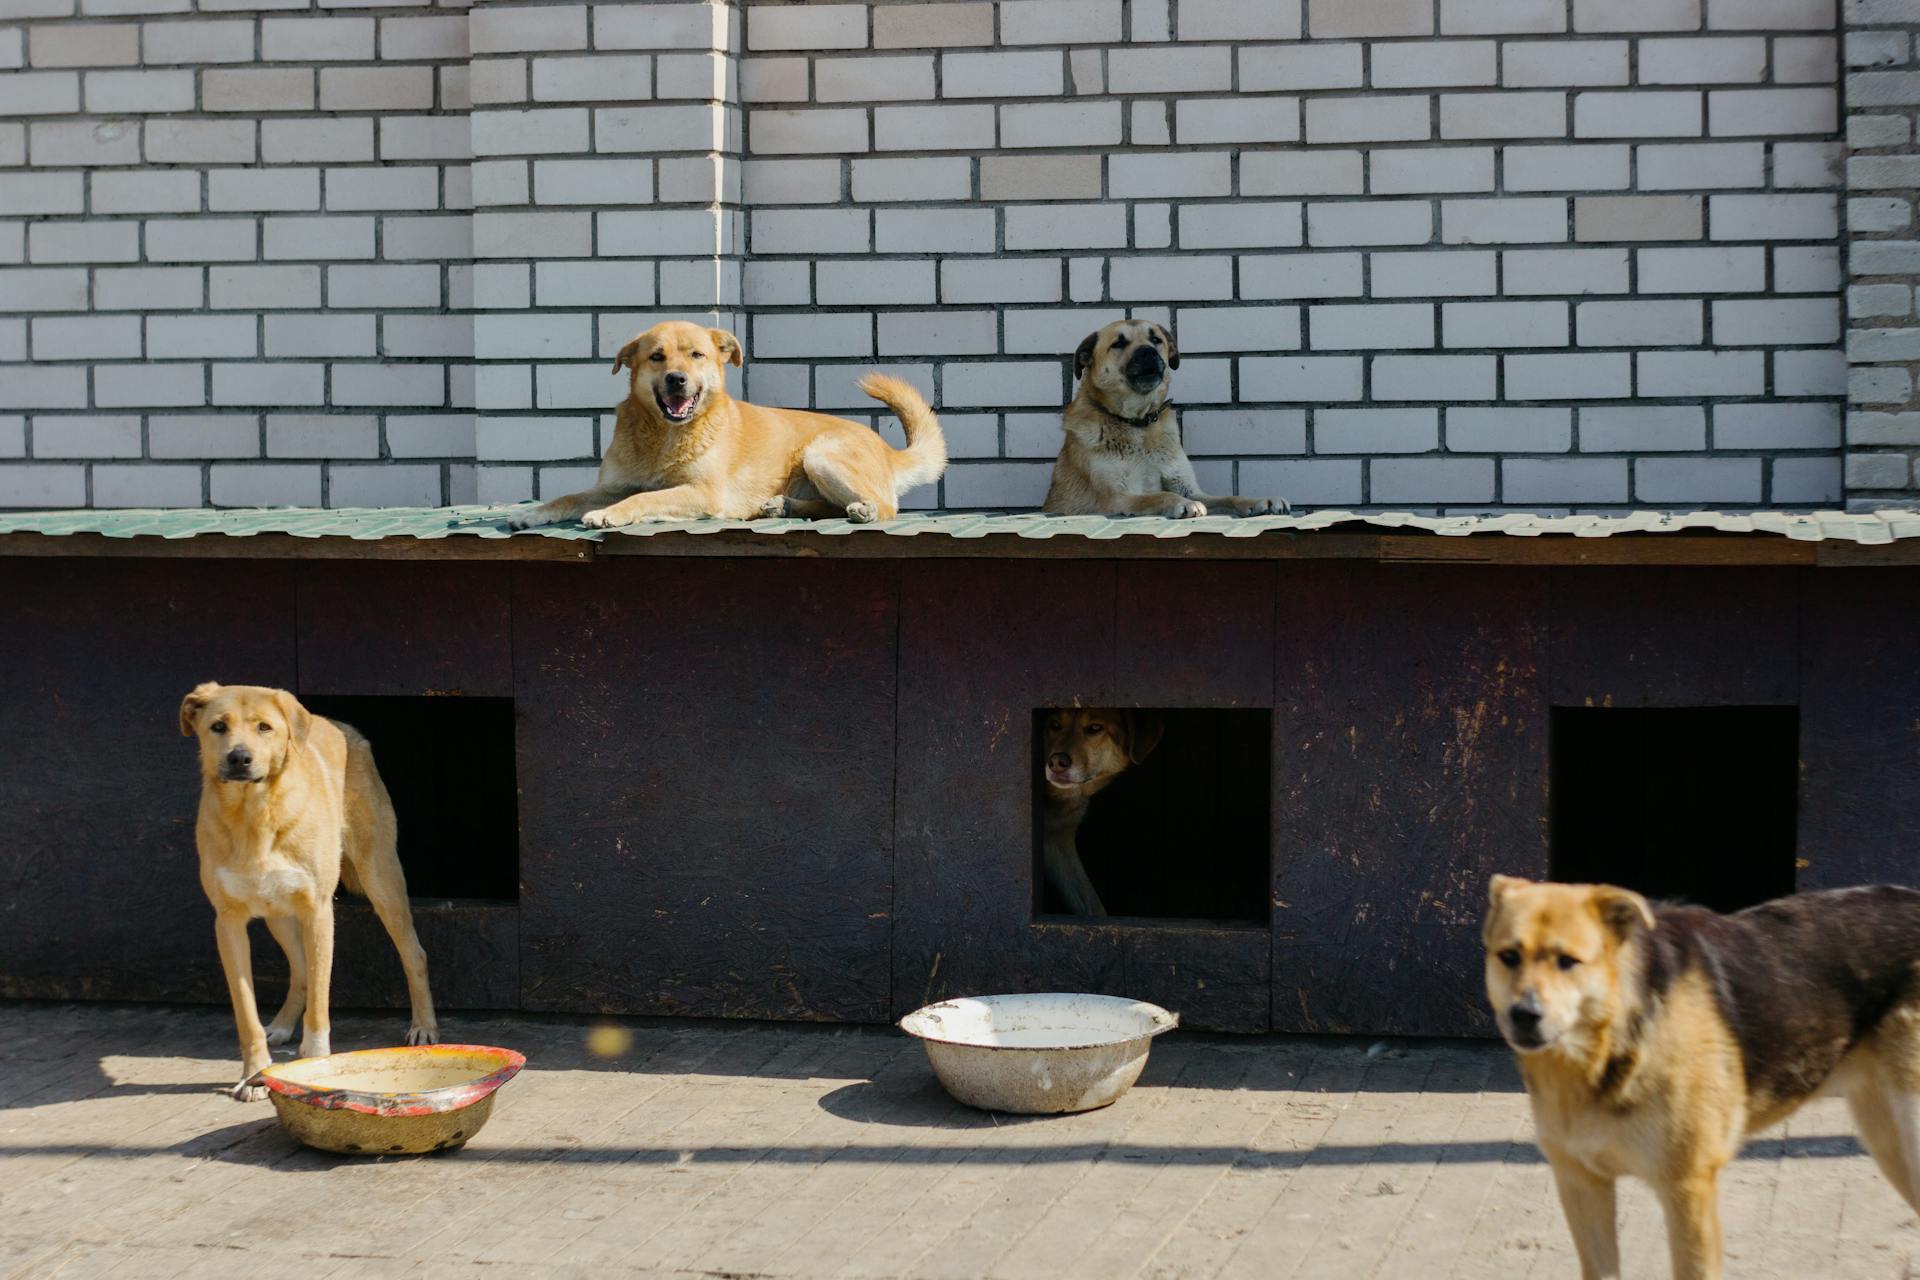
1122 454
683 448
1654 1039
1086 749
290 807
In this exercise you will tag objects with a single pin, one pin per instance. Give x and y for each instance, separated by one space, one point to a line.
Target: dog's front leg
1068 875
230 932
1692 1205
1589 1204
682 502
560 510
318 927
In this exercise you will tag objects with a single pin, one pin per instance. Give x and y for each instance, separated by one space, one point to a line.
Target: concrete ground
739 1150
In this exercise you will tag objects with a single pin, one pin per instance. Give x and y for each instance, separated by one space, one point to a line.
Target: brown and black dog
683 448
291 806
1122 454
1085 749
1654 1038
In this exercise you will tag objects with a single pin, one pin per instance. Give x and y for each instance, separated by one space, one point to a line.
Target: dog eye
1566 963
265 727
1154 338
1093 729
699 355
219 726
658 357
1119 343
1510 958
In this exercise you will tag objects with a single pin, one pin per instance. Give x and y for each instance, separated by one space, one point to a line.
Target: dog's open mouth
240 777
676 408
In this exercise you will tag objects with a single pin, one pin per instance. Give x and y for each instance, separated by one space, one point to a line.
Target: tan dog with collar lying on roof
1122 454
683 448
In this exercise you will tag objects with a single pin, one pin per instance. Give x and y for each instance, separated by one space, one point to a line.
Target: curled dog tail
925 456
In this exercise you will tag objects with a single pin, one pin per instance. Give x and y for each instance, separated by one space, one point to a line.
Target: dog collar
1143 421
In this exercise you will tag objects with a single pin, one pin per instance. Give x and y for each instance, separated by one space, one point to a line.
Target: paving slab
715 1149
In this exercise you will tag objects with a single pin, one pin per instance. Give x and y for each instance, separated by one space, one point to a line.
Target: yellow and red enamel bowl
401 1101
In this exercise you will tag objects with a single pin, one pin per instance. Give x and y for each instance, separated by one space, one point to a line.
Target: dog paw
531 518
279 1035
862 512
427 1033
317 1044
1263 506
246 1091
774 508
1185 509
604 518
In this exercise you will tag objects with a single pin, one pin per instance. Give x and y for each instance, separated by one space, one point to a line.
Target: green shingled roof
489 522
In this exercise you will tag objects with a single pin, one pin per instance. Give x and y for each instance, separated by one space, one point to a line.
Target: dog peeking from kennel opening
1156 813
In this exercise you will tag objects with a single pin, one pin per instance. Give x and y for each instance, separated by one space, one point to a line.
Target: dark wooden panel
706 766
982 646
473 959
1410 743
402 628
99 885
1420 980
1663 637
1860 728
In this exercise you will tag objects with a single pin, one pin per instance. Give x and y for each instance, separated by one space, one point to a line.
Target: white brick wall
1419 253
1882 431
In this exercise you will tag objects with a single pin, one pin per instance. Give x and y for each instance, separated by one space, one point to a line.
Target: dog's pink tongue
679 406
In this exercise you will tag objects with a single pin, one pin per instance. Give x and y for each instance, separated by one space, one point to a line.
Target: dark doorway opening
448 763
1182 834
1697 803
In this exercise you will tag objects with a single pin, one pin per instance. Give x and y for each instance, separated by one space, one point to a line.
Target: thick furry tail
925 456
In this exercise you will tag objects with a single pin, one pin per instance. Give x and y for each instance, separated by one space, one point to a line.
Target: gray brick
1301 275
1239 20
1776 426
1301 379
1701 373
1301 173
1431 480
1328 19
1543 64
1702 481
1636 15
1598 376
1434 64
1317 482
933 26
1586 167
1060 21
1370 222
1371 327
1637 218
1643 429
1410 170
1502 17
1693 166
1708 60
1715 269
1433 275
1447 378
1503 115
1399 118
1505 220
1503 325
1510 430
1574 481
1641 324
1374 431
1319 65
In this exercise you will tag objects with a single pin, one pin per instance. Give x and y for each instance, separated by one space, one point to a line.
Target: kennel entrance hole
1698 803
448 763
1183 835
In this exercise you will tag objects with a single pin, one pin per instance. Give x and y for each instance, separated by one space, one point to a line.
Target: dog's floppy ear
1622 910
1173 351
1083 354
730 349
192 704
1143 734
299 719
627 356
1500 886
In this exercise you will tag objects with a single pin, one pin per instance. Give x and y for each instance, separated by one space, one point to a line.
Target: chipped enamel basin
400 1101
1038 1054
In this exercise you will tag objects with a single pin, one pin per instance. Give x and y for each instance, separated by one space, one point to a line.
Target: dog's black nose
239 757
1525 1018
676 382
1059 760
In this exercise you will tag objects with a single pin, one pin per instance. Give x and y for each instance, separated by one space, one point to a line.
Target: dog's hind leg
1588 1201
316 1040
840 473
286 932
388 893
